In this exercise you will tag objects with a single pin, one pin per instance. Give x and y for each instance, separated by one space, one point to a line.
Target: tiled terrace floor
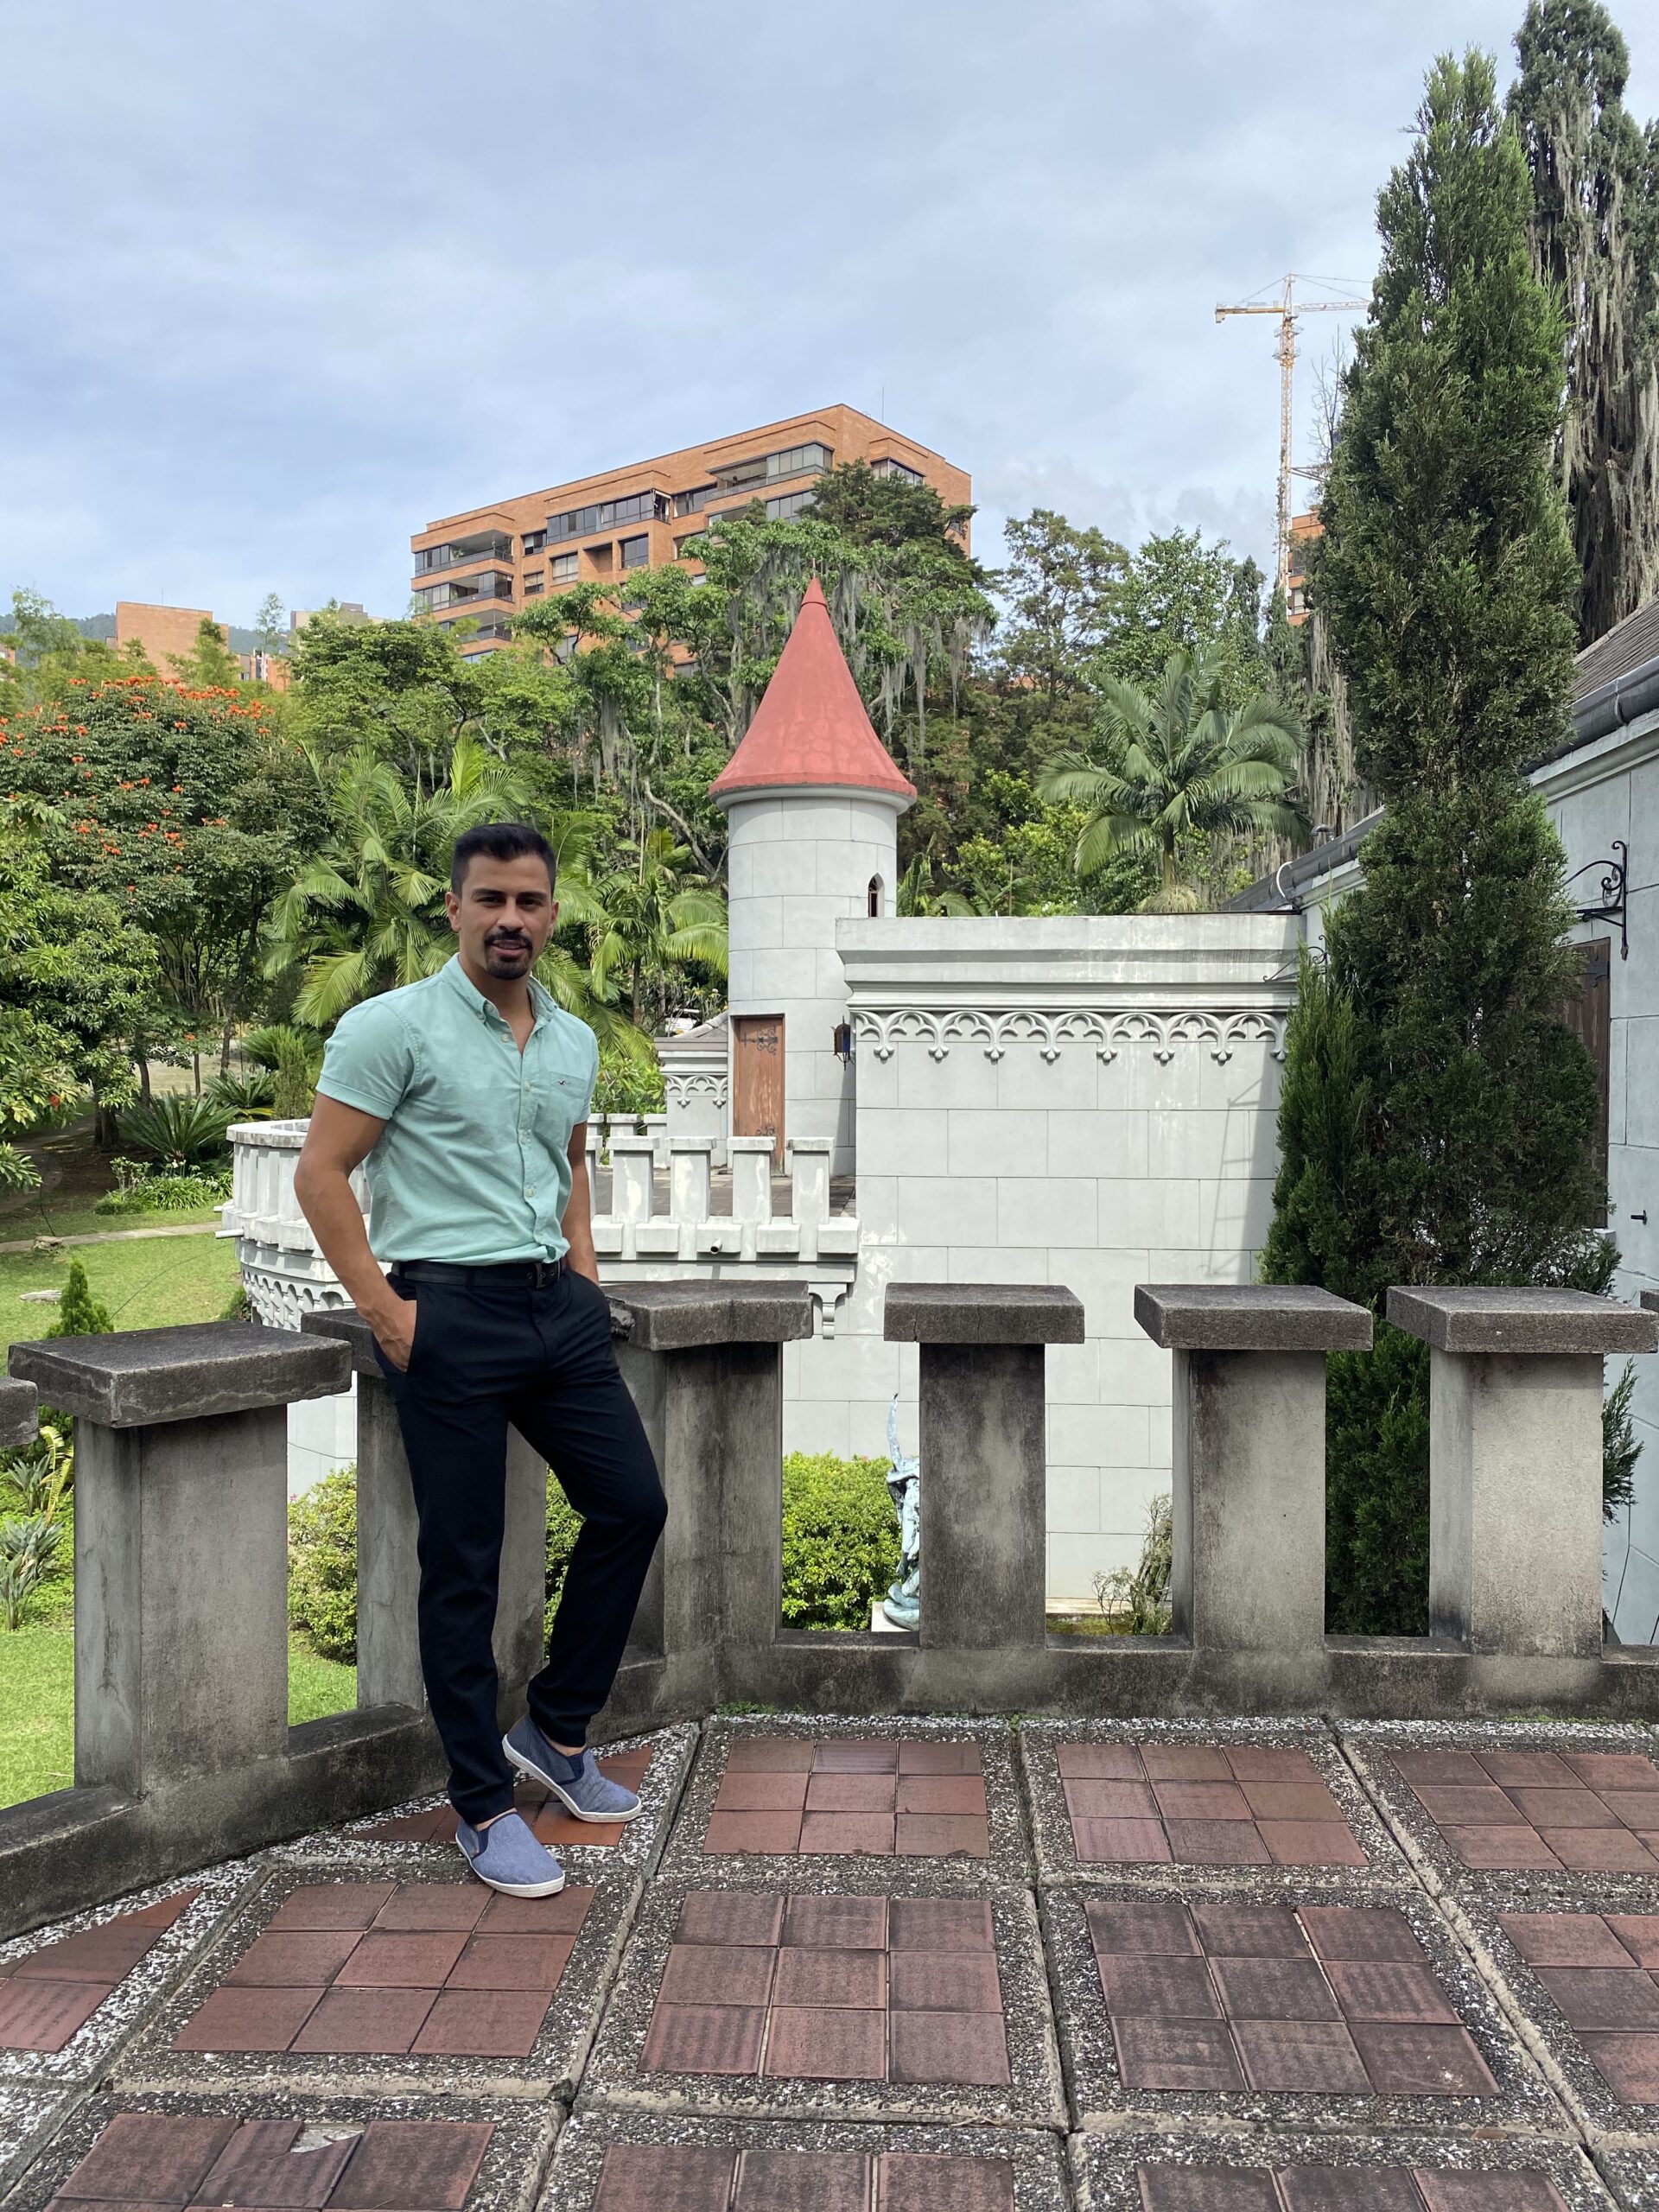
885 1966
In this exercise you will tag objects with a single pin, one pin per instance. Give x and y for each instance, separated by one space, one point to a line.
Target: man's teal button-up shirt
474 1163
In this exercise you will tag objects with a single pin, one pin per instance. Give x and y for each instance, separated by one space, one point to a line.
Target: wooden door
757 1079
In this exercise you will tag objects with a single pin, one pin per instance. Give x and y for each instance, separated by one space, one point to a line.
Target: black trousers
539 1357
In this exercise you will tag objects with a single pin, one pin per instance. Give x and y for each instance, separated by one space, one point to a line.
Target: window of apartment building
564 567
485 546
638 506
796 460
535 581
888 467
534 541
787 504
693 503
636 552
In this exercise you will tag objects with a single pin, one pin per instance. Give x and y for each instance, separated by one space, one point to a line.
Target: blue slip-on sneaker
585 1793
506 1857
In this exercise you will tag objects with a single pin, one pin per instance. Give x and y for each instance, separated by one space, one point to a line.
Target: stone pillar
808 1184
19 1415
704 1364
751 1158
1247 1483
633 1191
388 1569
1515 1461
181 1541
983 1452
688 1179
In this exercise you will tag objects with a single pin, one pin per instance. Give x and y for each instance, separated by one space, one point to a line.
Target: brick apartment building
485 564
164 634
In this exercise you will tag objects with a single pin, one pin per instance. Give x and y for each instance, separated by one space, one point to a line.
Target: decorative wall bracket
1614 905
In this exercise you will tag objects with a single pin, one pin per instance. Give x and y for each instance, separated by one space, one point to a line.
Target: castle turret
813 798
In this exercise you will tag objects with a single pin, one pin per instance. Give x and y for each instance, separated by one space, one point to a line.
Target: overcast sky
283 282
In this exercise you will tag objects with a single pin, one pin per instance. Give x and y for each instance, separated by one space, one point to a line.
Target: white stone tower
814 799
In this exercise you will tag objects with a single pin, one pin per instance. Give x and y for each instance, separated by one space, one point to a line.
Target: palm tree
656 915
1178 764
917 894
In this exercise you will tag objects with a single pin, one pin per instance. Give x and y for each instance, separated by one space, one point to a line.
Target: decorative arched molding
1050 1029
681 1089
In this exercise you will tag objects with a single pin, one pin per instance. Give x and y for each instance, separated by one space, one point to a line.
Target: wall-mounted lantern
843 1047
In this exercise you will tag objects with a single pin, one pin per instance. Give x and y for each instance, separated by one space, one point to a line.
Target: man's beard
506 957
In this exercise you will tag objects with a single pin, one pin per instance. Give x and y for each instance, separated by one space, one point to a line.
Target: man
467 1095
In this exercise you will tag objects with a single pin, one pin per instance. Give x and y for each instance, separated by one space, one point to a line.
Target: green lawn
149 1284
37 1705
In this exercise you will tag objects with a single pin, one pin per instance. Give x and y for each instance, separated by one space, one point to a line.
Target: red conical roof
812 726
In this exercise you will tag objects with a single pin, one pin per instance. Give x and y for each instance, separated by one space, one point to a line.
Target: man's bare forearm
578 1222
329 1203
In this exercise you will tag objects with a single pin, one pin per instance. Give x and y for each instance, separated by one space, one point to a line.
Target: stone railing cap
633 1140
138 1377
1249 1316
1521 1320
345 1324
982 1313
19 1407
680 1316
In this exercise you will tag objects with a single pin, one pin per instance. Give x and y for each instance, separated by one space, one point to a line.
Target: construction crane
1287 308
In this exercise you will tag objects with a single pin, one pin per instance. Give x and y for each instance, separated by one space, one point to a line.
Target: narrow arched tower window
873 899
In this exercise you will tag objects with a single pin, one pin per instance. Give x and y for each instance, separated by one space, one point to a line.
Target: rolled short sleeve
369 1062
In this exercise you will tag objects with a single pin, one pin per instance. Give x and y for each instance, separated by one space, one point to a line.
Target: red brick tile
553 1826
481 2024
1176 2055
725 1973
248 2019
1290 1800
1273 1989
1099 1762
1613 1770
44 2015
259 2165
921 2181
1110 1801
304 1961
166 1913
836 1923
729 1916
1361 1932
1349 2188
943 1793
1565 1939
940 1759
1637 1932
1598 1997
513 1962
854 1979
1503 1851
939 1924
1201 1800
1158 1989
1407 2061
1628 2063
1121 1842
1311 1843
1458 1769
166 2153
1216 1843
1504 2192
824 2044
664 2177
102 1955
1249 1931
764 1834
1601 1851
429 2163
968 2048
1141 1927
851 1793
1527 1770
392 1962
1184 1762
425 1907
1209 2189
1565 1808
761 1793
332 1905
704 2039
853 1755
861 1834
801 2181
411 1828
769 1755
1486 1807
1634 1809
1388 1990
942 1835
1314 2057
955 1981
1268 1763
555 1915
366 2020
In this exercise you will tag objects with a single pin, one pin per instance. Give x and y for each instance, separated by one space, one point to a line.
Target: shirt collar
455 975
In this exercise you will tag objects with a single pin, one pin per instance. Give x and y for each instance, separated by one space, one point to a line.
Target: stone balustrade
182 1747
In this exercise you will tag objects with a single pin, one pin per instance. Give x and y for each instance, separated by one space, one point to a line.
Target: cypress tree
1436 1114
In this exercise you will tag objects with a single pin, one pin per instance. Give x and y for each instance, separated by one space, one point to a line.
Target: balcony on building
462 552
608 514
493 586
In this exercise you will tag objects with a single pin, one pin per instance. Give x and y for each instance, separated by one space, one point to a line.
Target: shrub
625 1087
176 1131
841 1539
322 1564
166 1194
81 1314
1138 1604
247 1096
563 1526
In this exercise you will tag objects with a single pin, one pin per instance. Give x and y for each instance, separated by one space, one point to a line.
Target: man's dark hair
500 840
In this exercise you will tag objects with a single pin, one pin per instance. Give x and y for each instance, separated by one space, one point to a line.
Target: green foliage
209 661
1062 586
564 1527
1137 1600
153 1193
1179 594
246 1096
28 1551
322 1564
17 1171
81 1314
293 1057
627 1085
1620 1449
240 1305
176 1132
841 1539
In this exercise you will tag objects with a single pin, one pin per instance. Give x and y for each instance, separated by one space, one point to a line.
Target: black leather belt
533 1273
